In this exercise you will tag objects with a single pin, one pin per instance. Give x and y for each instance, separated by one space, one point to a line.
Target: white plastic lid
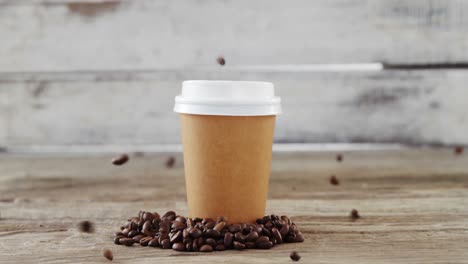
230 98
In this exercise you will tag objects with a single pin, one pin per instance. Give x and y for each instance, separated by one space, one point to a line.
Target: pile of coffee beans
206 235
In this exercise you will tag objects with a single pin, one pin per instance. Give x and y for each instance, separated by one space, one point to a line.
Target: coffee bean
210 225
108 254
293 229
258 229
195 233
133 233
299 237
200 241
238 245
266 219
265 245
221 61
169 214
118 234
228 237
206 248
274 217
251 237
176 237
211 242
147 216
178 247
266 232
137 238
290 238
147 228
197 219
181 219
458 150
116 240
239 237
188 246
194 245
178 225
333 180
120 160
86 227
284 230
339 157
153 242
211 233
285 218
220 248
354 214
170 162
277 235
133 225
294 256
144 241
262 239
190 222
186 233
126 241
250 245
269 225
165 244
219 226
234 228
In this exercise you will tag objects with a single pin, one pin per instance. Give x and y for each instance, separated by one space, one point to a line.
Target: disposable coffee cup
227 135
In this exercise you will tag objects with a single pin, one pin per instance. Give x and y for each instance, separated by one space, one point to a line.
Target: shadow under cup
227 165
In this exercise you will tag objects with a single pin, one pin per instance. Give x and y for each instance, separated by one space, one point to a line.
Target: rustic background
104 73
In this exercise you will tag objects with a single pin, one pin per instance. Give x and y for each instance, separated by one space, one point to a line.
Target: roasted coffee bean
266 219
156 216
133 225
153 242
266 232
290 238
170 162
278 224
168 214
284 230
185 233
126 241
245 229
251 237
181 219
211 242
147 228
206 248
211 233
165 244
262 239
116 240
238 245
221 61
133 233
144 241
178 225
258 221
210 225
176 237
162 237
140 224
200 241
190 222
274 217
458 150
265 245
220 248
155 224
239 237
137 238
108 254
285 218
120 160
188 246
258 229
292 229
339 157
148 217
228 238
294 256
195 233
197 219
354 214
118 234
194 245
250 245
269 225
333 180
234 228
299 237
86 227
277 235
219 226
178 247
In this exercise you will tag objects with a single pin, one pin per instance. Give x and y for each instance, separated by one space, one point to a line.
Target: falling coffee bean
86 227
354 214
294 256
108 254
206 248
170 162
334 180
120 160
221 61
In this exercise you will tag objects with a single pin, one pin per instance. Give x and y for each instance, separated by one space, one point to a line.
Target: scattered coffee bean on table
354 214
339 157
86 227
205 235
334 180
458 150
170 162
108 254
120 160
294 256
221 61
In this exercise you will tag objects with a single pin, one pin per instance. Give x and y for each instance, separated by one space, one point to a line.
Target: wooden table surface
413 203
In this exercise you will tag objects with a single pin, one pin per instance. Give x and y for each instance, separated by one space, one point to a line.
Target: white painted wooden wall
105 72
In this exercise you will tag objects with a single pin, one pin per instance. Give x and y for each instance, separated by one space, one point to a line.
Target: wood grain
62 35
135 108
412 202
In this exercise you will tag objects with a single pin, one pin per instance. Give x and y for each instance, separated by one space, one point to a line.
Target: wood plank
72 35
412 202
417 107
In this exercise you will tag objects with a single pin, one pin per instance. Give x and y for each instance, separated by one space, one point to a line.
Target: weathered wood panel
412 203
69 35
421 107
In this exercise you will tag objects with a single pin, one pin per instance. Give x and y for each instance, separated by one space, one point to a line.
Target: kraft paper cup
227 135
